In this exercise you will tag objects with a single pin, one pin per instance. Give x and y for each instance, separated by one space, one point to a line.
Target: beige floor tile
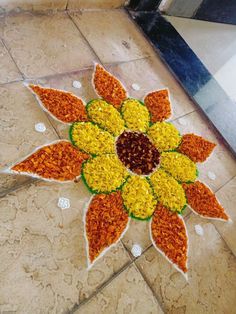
227 197
112 35
95 4
19 113
221 162
43 260
211 287
8 69
127 293
46 44
36 5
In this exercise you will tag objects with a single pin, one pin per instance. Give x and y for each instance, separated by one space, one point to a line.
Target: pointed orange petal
108 87
60 161
106 222
196 147
64 106
203 201
169 235
158 104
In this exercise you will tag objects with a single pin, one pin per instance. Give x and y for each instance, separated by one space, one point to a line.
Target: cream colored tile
127 293
19 112
45 44
95 4
36 5
211 287
8 69
43 260
221 162
113 36
227 197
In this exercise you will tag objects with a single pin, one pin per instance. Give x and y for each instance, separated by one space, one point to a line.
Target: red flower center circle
137 152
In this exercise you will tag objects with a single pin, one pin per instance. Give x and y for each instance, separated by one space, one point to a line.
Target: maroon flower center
137 152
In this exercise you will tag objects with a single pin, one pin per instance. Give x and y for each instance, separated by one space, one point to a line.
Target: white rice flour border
8 169
85 210
27 85
163 254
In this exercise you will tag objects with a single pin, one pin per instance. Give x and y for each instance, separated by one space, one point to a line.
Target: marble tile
19 112
8 69
43 251
221 162
127 293
36 5
211 287
95 4
45 44
227 198
113 36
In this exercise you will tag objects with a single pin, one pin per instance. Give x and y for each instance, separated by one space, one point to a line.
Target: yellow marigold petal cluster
106 116
169 192
138 197
136 115
104 173
91 139
164 136
179 166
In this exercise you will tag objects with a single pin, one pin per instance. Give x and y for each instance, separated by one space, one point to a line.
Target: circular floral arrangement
134 163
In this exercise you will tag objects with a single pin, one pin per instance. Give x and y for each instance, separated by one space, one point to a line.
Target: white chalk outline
27 85
163 254
8 169
105 250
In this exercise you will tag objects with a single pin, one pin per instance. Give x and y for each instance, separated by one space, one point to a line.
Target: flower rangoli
136 165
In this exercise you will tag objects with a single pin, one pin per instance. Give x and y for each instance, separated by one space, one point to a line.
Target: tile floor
43 264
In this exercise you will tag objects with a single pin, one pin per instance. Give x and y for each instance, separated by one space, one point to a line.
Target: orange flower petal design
196 147
64 106
158 104
105 223
169 236
59 161
203 201
108 87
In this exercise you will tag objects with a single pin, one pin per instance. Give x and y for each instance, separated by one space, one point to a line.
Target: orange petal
196 147
60 161
168 234
158 104
106 222
203 201
64 106
108 87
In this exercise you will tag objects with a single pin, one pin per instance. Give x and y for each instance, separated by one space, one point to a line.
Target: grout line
150 286
19 186
8 50
85 39
100 288
225 184
106 283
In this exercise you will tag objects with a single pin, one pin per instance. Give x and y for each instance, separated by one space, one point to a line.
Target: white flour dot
135 86
182 121
211 175
40 127
76 84
136 250
63 203
199 230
